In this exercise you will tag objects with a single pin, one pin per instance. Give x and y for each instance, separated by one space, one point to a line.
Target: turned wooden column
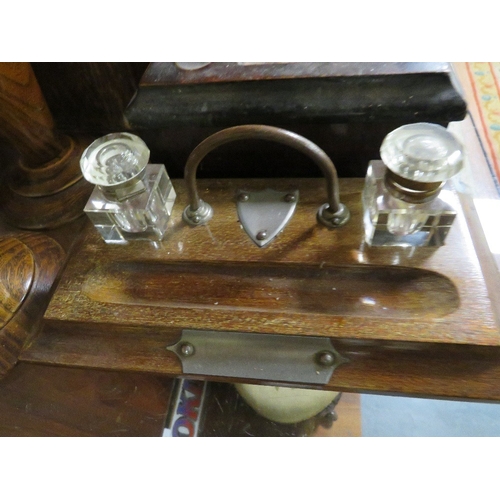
43 187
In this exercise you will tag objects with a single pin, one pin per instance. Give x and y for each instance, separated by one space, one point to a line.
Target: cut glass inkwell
133 199
407 199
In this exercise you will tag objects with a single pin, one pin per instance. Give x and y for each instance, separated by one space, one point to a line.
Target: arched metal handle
331 214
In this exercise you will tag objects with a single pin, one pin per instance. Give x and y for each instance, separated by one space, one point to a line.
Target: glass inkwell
408 199
133 199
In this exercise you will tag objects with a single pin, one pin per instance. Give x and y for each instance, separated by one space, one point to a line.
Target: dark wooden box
346 108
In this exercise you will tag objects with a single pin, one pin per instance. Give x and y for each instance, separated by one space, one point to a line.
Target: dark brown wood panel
38 400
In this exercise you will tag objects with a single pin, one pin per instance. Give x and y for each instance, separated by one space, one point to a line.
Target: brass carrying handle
331 214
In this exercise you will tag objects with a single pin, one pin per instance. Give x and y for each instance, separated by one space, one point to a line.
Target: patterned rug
481 84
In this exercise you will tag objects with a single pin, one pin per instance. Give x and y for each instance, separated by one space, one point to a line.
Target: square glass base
143 216
392 222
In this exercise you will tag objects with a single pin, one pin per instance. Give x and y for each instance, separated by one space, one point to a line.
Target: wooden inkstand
314 307
305 302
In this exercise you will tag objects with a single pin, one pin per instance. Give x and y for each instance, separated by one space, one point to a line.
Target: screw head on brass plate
326 358
257 356
187 349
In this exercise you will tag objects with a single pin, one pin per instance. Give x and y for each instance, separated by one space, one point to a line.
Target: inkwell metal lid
116 163
420 158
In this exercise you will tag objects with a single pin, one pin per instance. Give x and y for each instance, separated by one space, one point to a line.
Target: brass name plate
258 356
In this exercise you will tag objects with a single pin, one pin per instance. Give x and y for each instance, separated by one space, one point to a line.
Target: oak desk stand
415 321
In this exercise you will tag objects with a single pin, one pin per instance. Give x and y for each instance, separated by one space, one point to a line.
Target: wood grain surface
17 268
104 315
38 400
29 264
43 187
25 119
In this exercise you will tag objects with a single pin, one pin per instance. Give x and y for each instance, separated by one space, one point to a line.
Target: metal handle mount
332 214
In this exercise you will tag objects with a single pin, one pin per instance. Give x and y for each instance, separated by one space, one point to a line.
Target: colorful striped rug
481 84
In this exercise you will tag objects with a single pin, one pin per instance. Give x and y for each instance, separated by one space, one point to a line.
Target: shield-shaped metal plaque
263 214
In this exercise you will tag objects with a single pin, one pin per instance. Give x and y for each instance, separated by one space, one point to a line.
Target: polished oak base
414 320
